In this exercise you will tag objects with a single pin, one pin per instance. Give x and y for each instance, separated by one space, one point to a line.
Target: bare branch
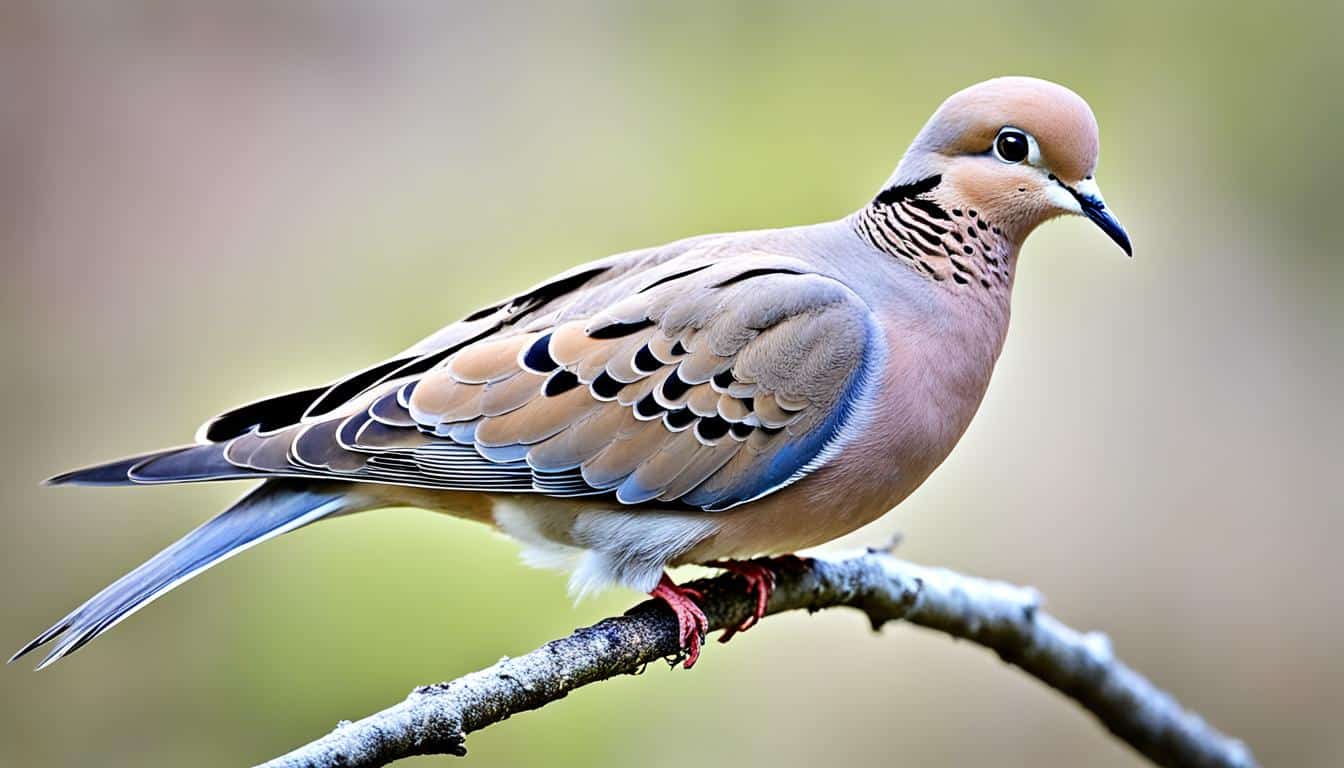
435 719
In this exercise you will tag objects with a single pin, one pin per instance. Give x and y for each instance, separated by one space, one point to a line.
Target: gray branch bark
435 719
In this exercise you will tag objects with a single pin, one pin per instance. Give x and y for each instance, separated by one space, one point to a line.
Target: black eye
1011 146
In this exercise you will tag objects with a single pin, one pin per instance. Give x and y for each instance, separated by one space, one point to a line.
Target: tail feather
189 464
112 473
274 508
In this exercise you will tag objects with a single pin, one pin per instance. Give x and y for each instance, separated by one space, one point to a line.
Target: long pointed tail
187 464
276 507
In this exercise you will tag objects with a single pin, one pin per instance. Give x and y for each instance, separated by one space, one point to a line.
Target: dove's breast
935 369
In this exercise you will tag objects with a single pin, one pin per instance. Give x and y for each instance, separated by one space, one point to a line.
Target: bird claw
692 625
760 577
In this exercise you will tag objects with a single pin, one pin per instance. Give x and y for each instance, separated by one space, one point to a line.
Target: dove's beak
1093 207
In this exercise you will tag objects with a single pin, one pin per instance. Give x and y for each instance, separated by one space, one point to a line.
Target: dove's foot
760 577
691 622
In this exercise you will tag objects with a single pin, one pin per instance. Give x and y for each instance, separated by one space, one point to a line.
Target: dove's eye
1011 146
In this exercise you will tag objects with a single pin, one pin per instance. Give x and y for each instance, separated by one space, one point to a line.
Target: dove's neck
921 225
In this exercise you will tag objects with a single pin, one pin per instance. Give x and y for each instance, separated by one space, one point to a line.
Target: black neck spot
930 208
893 195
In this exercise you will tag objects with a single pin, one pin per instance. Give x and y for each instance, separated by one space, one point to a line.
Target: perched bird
722 397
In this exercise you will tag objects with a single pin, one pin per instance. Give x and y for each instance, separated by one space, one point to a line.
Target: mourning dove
722 397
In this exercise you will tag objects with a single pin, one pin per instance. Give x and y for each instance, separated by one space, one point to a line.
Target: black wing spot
648 407
540 296
712 428
617 330
560 382
484 312
538 356
750 273
645 362
724 379
421 364
741 430
265 415
674 387
606 386
679 419
352 385
673 276
678 349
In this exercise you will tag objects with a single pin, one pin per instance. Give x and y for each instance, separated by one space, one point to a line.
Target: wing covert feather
701 381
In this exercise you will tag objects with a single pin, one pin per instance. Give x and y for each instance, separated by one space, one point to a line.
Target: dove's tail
276 507
186 464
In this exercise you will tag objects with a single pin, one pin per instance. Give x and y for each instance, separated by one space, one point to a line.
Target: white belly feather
600 547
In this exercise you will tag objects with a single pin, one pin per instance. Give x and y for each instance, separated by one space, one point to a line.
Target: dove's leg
691 622
760 577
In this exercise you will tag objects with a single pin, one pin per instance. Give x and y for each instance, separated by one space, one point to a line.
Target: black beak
1095 209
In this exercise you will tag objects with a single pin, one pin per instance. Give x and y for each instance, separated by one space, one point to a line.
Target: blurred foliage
205 203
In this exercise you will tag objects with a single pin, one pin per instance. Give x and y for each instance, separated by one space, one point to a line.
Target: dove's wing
705 381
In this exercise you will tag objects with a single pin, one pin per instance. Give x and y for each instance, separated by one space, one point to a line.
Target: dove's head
1018 149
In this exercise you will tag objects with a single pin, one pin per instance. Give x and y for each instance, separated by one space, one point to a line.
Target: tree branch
435 719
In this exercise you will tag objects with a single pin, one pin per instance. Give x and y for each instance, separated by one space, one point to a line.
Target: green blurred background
203 204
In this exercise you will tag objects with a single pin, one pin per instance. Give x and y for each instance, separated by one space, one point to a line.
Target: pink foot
691 622
760 577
